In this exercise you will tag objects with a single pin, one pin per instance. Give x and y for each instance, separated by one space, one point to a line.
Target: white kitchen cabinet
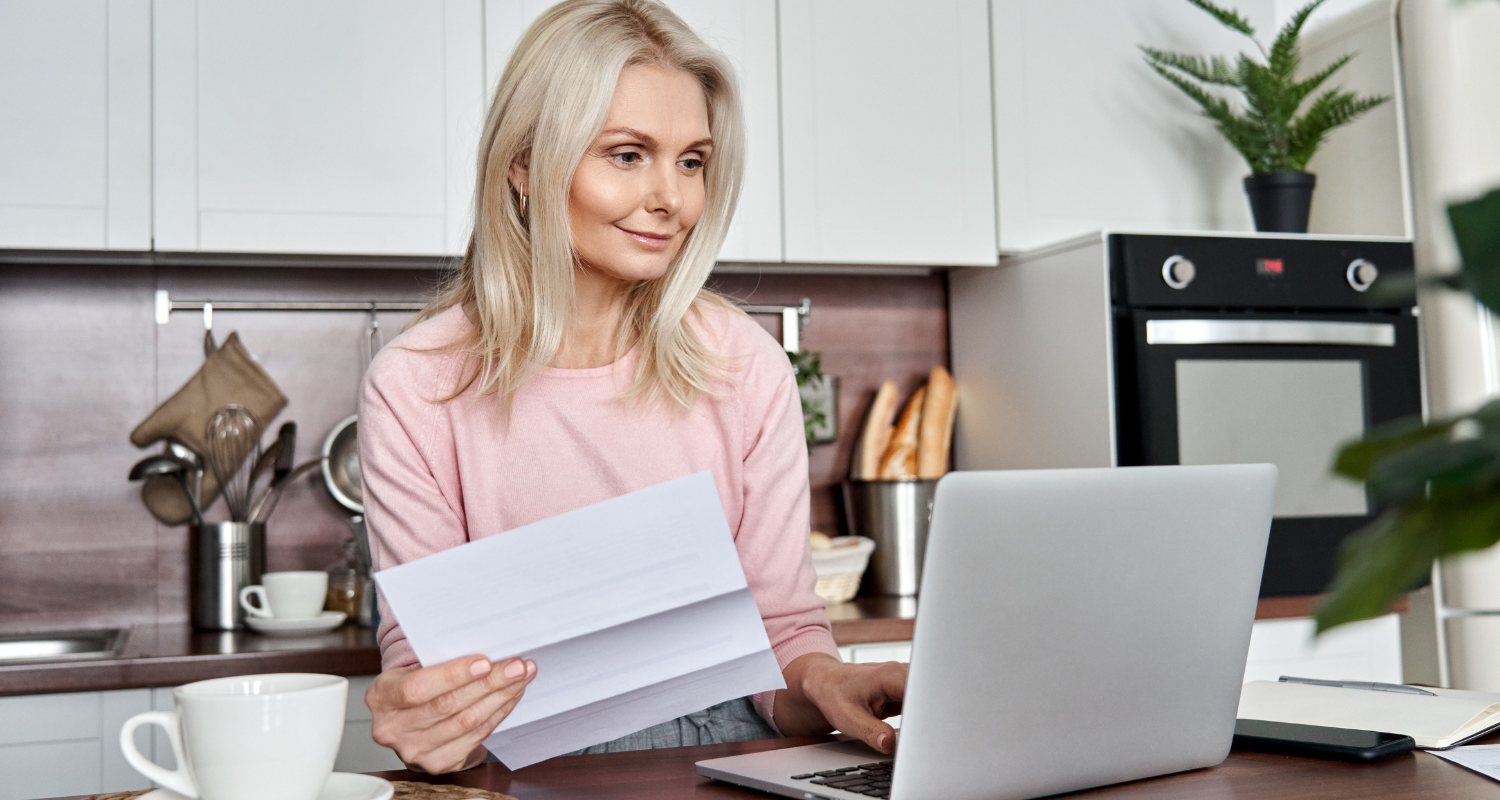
346 126
64 744
745 31
358 752
75 124
887 138
1087 137
876 652
52 745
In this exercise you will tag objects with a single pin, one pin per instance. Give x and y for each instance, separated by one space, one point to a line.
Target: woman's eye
628 157
691 164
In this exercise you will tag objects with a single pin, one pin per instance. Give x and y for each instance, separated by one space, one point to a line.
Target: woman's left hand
824 694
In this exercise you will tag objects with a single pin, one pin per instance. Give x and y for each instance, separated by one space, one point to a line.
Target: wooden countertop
171 655
669 775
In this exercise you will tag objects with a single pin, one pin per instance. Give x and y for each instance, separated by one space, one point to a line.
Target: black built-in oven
1248 349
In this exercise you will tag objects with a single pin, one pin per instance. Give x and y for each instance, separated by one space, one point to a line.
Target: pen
1366 685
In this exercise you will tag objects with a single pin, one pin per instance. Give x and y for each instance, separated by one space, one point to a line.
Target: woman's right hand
435 718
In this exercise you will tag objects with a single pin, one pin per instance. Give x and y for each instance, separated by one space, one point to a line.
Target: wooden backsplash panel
84 361
869 329
76 372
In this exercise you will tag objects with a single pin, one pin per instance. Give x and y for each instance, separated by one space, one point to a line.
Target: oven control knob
1178 272
1361 274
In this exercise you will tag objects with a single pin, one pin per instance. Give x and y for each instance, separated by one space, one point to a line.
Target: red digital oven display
1268 266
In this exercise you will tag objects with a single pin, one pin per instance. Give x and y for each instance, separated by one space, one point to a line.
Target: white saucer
340 786
326 621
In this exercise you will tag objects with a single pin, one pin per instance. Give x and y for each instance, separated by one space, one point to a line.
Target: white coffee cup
253 737
287 595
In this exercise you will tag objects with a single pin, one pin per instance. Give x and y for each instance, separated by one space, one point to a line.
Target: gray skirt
733 721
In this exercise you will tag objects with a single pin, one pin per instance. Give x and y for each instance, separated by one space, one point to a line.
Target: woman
576 357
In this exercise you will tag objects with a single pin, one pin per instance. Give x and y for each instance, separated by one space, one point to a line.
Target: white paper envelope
635 610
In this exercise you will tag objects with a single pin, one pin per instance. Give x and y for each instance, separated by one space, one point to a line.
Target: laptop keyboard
873 779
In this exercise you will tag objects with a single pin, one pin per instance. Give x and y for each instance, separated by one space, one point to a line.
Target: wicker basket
840 569
839 588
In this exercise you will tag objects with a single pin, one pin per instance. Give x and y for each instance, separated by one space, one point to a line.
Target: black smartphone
1313 741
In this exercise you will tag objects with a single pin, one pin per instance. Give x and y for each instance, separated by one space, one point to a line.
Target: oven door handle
1269 331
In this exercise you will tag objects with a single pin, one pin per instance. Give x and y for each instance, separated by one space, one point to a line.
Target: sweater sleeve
413 502
772 537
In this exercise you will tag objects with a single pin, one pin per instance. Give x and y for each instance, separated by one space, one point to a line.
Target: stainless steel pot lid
341 465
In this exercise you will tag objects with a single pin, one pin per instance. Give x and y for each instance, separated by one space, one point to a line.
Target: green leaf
1476 228
1214 108
1395 553
1227 17
1470 522
1209 70
1438 462
1284 57
1488 416
1301 89
1357 459
1390 556
1332 109
1394 289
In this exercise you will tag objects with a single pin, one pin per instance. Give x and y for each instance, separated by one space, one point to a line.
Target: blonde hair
516 278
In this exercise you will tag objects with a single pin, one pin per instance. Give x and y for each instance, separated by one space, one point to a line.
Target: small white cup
253 737
287 595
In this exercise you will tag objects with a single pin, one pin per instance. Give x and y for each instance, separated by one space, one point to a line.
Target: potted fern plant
1275 141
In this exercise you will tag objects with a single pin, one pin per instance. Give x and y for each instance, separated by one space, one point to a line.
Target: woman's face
639 188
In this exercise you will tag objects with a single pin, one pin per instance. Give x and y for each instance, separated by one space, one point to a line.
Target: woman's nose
664 195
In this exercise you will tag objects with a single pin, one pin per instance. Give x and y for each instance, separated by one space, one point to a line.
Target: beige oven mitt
227 376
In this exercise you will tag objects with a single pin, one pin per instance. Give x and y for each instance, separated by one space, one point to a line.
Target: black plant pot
1281 201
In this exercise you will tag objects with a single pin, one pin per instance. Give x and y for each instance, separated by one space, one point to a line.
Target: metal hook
792 320
209 345
374 338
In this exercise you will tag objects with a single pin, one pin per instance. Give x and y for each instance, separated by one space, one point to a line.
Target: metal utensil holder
223 557
895 513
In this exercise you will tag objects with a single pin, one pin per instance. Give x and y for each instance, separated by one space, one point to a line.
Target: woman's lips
655 241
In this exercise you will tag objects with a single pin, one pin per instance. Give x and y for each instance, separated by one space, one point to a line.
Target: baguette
936 436
900 460
877 433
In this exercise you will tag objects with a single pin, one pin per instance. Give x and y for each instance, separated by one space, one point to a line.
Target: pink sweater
437 475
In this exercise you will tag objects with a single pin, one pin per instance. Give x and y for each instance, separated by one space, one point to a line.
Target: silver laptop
1076 628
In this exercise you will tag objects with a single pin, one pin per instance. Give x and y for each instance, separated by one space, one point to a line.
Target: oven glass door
1285 389
1293 414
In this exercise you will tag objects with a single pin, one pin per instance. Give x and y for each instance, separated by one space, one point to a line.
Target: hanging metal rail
792 317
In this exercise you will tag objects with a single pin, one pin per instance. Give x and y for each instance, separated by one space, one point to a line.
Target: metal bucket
223 557
895 513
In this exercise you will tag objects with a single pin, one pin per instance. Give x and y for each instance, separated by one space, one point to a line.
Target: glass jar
346 583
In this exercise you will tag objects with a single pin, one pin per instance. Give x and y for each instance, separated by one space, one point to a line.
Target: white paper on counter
635 610
1482 758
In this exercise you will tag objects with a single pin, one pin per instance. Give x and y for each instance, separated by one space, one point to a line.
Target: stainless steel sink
17 648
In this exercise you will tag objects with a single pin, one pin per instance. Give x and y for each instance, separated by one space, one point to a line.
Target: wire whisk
233 449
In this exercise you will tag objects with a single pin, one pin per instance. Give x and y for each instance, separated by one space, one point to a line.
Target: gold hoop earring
523 202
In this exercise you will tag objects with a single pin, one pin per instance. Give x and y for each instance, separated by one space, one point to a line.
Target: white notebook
1449 717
